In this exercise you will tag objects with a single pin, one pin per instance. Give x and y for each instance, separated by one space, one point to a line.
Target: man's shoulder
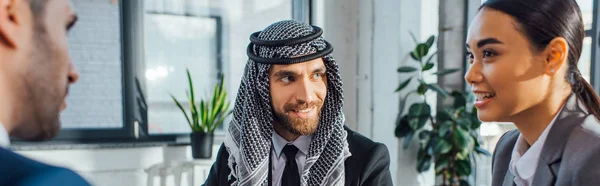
16 162
360 144
20 170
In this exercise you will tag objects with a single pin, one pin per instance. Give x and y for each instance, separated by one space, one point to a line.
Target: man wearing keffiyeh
289 104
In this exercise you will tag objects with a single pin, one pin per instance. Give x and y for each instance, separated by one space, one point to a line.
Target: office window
95 101
174 43
208 37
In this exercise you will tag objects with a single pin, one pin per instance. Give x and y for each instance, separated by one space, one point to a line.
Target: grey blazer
570 155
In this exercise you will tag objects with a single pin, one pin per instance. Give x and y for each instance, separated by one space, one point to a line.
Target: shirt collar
302 143
4 139
525 158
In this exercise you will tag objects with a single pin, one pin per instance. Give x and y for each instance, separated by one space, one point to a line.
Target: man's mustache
301 106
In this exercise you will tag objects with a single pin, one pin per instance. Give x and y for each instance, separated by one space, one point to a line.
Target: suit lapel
570 116
509 179
545 175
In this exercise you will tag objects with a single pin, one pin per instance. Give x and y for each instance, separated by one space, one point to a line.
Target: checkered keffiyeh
249 137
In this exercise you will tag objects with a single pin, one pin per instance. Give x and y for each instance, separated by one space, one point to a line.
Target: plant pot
202 145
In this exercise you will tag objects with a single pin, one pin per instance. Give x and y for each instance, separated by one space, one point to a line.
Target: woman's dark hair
543 20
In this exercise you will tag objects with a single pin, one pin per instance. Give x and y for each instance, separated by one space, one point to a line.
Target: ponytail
585 93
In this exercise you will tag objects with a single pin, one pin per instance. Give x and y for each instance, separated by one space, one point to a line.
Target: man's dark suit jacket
570 155
368 165
16 170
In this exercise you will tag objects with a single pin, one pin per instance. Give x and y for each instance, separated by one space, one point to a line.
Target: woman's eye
488 54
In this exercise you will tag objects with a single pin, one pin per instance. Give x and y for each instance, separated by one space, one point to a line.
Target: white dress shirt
278 159
4 139
525 158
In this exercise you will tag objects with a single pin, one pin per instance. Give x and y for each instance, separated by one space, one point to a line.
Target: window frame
219 56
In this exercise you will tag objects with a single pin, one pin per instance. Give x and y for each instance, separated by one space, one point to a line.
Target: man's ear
557 53
9 21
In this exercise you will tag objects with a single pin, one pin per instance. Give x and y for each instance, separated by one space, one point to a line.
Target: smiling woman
523 56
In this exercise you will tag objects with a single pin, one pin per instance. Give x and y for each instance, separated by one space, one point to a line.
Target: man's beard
299 126
41 99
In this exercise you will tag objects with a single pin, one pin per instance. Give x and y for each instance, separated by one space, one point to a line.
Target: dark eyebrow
72 21
284 73
321 69
486 41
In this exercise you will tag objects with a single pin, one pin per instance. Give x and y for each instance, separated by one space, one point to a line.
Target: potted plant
451 142
205 116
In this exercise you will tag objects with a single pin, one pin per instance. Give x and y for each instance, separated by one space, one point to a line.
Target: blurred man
288 126
35 72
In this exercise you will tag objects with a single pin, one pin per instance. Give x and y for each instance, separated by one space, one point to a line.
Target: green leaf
189 76
220 119
442 116
459 99
463 140
424 134
215 101
202 115
464 183
419 110
442 147
413 37
407 139
403 85
462 155
192 100
431 57
444 128
430 41
438 89
421 50
406 69
482 151
442 163
418 114
464 123
417 122
463 168
402 127
445 72
404 100
422 89
191 86
412 55
431 144
423 163
427 66
182 110
475 122
206 118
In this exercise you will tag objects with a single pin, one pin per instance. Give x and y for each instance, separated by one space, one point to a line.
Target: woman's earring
551 70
